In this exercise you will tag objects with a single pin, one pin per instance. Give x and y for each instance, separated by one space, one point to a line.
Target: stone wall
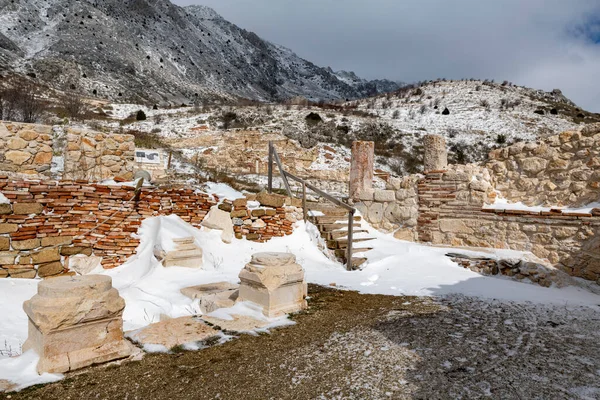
46 222
26 148
451 213
394 208
561 170
92 155
27 151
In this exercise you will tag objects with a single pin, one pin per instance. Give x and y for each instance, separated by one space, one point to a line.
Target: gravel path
352 346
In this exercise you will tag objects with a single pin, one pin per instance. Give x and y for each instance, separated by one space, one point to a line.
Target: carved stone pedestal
75 322
275 282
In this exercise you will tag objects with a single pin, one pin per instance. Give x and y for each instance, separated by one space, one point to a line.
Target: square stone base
79 346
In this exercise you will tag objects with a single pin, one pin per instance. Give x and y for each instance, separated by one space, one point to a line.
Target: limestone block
82 264
174 332
27 208
186 254
8 228
4 243
213 296
270 199
384 195
366 194
5 209
56 240
75 322
8 257
454 226
28 135
375 214
533 164
219 219
16 143
239 323
275 282
409 235
17 157
396 213
435 157
50 269
45 255
361 168
29 244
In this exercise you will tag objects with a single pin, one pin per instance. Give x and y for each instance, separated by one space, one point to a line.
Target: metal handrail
284 175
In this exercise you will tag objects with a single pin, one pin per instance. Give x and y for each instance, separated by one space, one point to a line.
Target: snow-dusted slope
142 49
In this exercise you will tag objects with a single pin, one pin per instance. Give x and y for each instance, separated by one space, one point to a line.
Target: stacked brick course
46 222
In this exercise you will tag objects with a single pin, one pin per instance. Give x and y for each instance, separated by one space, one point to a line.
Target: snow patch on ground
503 204
3 199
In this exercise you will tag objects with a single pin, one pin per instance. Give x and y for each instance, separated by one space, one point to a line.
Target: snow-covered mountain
153 50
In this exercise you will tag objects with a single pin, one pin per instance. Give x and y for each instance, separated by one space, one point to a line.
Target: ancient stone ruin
274 281
75 322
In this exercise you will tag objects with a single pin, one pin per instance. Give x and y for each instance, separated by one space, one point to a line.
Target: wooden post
270 167
349 265
304 210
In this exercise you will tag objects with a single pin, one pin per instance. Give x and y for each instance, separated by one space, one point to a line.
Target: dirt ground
352 346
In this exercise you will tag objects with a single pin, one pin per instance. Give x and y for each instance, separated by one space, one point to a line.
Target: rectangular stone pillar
361 168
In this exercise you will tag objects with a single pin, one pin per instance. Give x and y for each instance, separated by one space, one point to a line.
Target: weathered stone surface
174 332
186 254
213 296
29 244
16 143
240 203
27 208
5 209
239 323
8 228
239 214
4 244
219 219
56 240
22 273
361 168
75 322
72 250
384 195
8 257
17 157
45 255
454 226
275 282
49 269
83 264
226 207
42 158
270 199
435 156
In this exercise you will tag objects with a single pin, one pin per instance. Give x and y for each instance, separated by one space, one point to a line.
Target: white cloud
529 42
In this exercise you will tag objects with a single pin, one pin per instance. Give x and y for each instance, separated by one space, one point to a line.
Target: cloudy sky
544 44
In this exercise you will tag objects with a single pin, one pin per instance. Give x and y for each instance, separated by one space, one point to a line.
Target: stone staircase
333 226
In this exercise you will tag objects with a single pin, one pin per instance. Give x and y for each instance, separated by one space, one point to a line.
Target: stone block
239 214
22 273
186 254
3 273
82 264
174 332
56 240
240 203
275 282
270 199
454 226
259 213
367 194
8 228
221 220
49 269
29 244
5 209
75 322
45 256
27 208
8 257
384 195
72 250
226 207
213 296
17 157
4 243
